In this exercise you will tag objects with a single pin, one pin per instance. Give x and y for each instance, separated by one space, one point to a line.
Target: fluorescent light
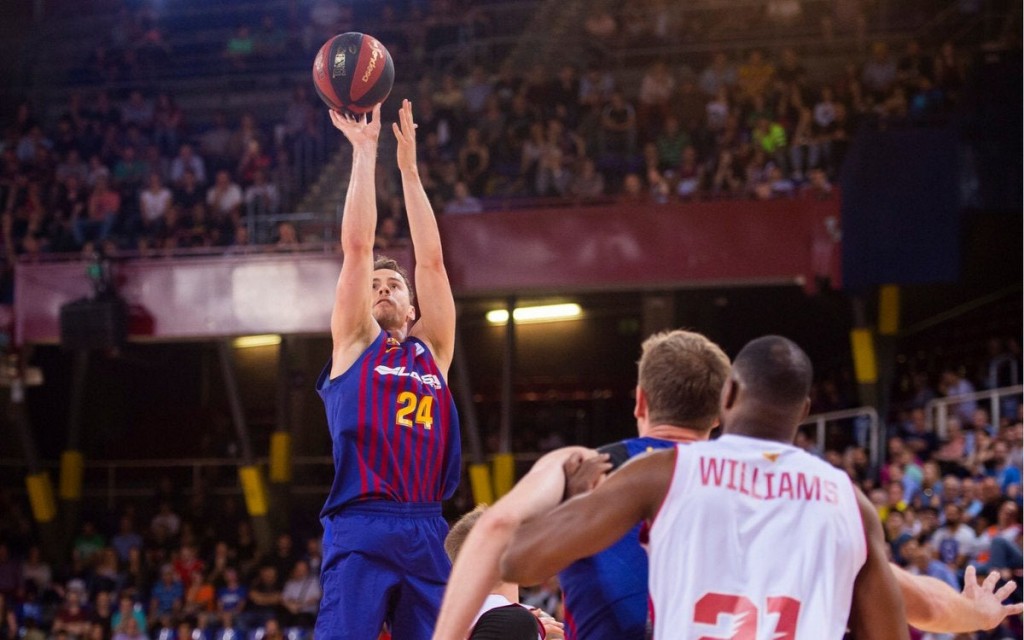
263 340
542 313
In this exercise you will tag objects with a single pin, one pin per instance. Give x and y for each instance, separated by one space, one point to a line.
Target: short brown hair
384 262
460 531
682 374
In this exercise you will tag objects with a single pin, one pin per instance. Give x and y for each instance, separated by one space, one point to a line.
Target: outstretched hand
360 131
405 132
987 601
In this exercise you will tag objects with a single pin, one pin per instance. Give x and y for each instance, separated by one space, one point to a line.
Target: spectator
879 72
241 138
35 570
129 629
167 598
922 561
72 618
474 162
261 197
270 40
717 76
72 166
618 128
232 597
187 194
187 160
670 144
264 598
755 76
169 124
287 238
239 49
301 595
462 201
225 197
587 184
477 91
952 385
954 541
138 111
254 159
10 573
166 522
690 174
656 89
215 142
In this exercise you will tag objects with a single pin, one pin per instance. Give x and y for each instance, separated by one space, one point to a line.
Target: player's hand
583 474
553 629
987 601
362 133
405 132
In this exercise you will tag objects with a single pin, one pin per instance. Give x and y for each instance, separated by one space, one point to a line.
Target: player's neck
399 333
672 433
508 590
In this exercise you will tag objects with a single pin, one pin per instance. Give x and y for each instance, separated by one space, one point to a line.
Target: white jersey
756 540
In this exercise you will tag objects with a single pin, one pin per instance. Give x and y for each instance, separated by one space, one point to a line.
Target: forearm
426 239
473 575
359 220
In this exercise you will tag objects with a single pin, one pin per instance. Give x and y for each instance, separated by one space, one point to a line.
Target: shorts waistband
390 508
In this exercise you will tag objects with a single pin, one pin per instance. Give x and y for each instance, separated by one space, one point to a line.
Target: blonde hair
460 531
682 374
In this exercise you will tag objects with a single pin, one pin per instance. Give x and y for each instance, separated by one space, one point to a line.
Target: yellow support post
254 489
280 457
888 310
480 481
72 471
865 366
504 473
40 497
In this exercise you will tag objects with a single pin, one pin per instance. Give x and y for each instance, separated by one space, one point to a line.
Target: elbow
357 246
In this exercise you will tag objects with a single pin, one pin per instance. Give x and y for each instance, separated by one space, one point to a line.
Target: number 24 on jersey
414 409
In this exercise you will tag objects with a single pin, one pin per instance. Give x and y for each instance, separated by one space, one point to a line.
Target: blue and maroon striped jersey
605 595
393 425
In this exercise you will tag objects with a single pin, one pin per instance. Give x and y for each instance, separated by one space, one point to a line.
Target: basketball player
501 615
749 535
390 412
606 595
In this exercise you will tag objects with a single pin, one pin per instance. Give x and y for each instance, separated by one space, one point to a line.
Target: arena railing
937 411
868 434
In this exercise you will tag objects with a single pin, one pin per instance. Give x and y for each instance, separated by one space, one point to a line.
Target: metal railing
937 410
874 445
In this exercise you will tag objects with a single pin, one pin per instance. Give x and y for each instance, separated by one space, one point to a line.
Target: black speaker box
93 324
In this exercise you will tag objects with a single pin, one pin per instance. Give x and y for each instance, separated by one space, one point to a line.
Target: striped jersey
393 424
755 539
605 595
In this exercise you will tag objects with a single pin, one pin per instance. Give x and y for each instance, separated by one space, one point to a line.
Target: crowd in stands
190 569
127 170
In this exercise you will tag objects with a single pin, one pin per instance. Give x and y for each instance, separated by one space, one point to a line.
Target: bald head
774 370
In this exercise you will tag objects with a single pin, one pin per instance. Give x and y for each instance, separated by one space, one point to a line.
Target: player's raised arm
877 611
436 324
933 606
589 523
352 324
475 571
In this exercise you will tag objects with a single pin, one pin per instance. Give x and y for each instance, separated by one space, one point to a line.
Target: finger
376 112
398 132
991 580
1013 609
1006 591
970 579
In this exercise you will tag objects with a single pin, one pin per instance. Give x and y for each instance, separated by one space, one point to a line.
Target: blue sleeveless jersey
605 595
394 428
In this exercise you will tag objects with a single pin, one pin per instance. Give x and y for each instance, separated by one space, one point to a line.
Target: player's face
391 307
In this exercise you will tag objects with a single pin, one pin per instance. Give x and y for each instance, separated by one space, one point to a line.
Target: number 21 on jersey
744 615
414 409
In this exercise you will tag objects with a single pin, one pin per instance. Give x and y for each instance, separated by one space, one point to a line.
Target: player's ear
640 408
409 317
806 410
729 393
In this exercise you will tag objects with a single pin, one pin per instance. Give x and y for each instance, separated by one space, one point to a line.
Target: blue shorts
383 562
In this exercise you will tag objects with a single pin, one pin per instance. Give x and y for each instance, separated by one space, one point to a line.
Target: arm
587 524
877 610
933 606
436 325
352 325
475 571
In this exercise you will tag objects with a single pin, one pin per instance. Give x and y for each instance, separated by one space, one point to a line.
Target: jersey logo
419 349
771 457
391 344
428 379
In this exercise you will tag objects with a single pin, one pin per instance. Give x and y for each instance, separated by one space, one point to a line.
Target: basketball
353 72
